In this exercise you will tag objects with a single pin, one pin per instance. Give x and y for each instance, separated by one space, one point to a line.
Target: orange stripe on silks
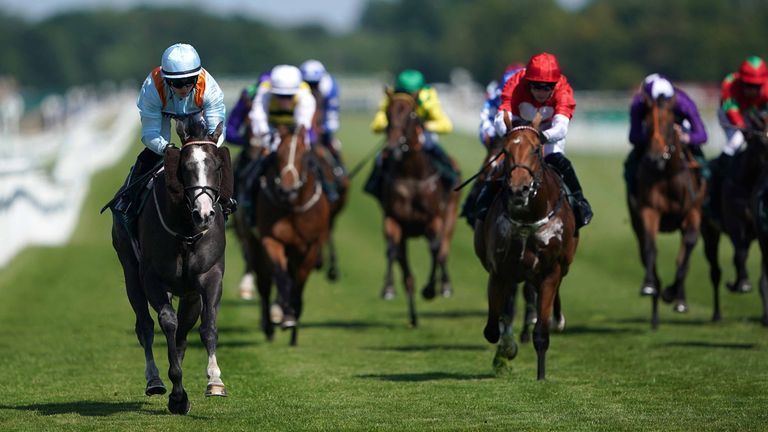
157 78
200 89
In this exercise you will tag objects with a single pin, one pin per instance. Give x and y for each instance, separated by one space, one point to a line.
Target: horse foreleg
392 234
507 348
333 266
210 287
764 293
434 249
498 300
451 214
410 288
547 293
529 318
276 252
187 315
651 280
710 235
741 240
676 291
178 402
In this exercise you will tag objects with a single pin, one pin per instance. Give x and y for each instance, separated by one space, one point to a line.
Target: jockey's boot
448 172
126 205
718 172
229 207
581 208
330 189
468 208
374 183
479 208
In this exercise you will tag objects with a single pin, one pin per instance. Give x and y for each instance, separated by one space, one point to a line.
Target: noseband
536 177
198 191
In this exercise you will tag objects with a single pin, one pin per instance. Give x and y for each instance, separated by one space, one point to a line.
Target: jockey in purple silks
690 128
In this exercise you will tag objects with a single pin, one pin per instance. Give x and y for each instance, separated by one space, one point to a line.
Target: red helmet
753 71
543 67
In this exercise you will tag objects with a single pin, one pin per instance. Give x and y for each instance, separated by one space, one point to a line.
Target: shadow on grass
87 408
223 343
350 325
701 344
427 376
454 314
438 347
583 329
647 321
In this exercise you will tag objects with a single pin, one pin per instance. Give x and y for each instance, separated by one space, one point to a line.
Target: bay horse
491 163
742 199
179 251
669 198
529 236
292 223
330 171
414 200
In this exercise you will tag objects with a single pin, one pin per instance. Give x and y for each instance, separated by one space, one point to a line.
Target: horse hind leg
764 294
409 283
529 318
429 289
333 266
711 237
675 293
741 249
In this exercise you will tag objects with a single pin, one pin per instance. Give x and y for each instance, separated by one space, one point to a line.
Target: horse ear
227 177
536 122
388 91
217 133
181 131
172 159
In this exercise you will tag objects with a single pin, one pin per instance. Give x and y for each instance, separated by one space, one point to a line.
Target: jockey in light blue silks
492 102
179 86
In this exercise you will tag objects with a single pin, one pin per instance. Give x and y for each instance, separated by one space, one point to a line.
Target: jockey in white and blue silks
487 130
313 72
179 86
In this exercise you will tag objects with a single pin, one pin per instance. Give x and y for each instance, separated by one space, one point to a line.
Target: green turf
72 362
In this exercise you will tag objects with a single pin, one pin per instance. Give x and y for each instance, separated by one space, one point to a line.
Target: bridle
401 146
198 191
536 176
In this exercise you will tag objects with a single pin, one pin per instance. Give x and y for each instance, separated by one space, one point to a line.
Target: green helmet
409 80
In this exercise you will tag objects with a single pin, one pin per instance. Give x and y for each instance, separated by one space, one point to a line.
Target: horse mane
173 184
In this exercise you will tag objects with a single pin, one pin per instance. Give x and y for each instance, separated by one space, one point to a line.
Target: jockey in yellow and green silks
430 111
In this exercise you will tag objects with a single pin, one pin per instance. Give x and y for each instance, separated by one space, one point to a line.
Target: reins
186 239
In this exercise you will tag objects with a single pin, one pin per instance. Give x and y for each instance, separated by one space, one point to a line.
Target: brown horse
414 200
669 197
332 169
180 252
292 223
528 235
741 201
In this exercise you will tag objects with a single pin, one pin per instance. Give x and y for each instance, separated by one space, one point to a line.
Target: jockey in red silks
742 92
542 88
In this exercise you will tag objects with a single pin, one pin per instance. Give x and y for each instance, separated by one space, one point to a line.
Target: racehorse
742 200
292 222
528 235
331 168
179 251
414 200
669 197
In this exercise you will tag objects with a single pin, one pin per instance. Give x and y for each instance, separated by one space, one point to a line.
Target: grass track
72 362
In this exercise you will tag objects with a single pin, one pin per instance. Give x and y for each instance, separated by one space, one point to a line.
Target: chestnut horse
292 223
180 252
415 201
669 197
528 235
742 200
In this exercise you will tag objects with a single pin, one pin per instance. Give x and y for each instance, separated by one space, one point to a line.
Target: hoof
289 322
507 348
491 333
558 325
429 291
741 287
501 366
388 293
648 290
247 287
333 274
447 290
276 313
525 337
155 386
246 294
668 294
680 307
181 406
215 390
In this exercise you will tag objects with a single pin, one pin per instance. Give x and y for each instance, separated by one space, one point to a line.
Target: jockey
313 72
179 86
492 103
689 126
435 122
284 99
238 123
542 88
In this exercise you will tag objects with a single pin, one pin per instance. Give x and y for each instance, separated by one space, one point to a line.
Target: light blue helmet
180 61
312 71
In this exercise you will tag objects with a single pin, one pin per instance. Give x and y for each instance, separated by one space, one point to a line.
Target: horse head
196 173
292 161
523 166
404 127
664 148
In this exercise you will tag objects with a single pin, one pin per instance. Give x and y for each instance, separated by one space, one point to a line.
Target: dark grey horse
179 251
